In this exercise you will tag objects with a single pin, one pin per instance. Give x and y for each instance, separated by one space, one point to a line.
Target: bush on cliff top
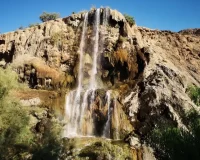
44 17
129 19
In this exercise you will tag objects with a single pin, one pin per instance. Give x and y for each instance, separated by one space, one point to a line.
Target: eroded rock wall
148 70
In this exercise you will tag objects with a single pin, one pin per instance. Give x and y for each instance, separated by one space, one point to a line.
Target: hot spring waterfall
78 112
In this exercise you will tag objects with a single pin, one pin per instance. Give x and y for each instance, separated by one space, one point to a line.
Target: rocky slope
147 70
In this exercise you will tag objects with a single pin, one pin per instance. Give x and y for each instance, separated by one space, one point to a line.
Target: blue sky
156 14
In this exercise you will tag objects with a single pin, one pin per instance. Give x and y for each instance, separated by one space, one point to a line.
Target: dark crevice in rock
44 31
45 56
8 56
141 86
2 42
146 54
33 78
122 69
141 66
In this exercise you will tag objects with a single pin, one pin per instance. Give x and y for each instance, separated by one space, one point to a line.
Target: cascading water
73 100
106 131
79 103
106 15
93 83
111 115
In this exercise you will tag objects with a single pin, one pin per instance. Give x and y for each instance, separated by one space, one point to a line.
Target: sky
173 15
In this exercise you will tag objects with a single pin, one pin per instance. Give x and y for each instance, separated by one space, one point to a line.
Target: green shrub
129 19
172 143
49 16
17 139
194 93
14 119
8 81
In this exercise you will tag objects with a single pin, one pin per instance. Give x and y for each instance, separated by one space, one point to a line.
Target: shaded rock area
148 70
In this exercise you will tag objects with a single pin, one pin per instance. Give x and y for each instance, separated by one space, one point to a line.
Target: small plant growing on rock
194 93
44 17
129 19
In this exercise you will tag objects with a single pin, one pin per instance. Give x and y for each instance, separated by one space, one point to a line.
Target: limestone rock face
195 31
148 70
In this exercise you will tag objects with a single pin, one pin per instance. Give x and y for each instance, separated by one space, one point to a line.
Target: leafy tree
129 19
49 16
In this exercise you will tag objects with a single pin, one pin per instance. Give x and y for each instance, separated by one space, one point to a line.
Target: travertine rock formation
149 70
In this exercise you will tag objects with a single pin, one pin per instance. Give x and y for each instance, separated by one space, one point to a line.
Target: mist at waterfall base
78 108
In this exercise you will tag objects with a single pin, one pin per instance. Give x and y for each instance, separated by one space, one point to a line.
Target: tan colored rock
117 16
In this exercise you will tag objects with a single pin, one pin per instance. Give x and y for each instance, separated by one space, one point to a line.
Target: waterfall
106 131
81 52
93 83
111 115
79 114
73 99
106 15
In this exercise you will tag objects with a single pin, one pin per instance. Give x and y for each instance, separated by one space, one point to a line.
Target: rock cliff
148 72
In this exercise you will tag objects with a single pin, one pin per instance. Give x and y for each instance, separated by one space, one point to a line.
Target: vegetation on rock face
58 39
121 55
171 143
44 17
17 139
97 148
194 93
129 19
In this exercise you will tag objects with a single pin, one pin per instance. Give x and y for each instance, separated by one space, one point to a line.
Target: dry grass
44 71
121 55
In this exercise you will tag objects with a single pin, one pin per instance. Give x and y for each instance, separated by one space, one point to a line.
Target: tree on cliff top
49 16
129 19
